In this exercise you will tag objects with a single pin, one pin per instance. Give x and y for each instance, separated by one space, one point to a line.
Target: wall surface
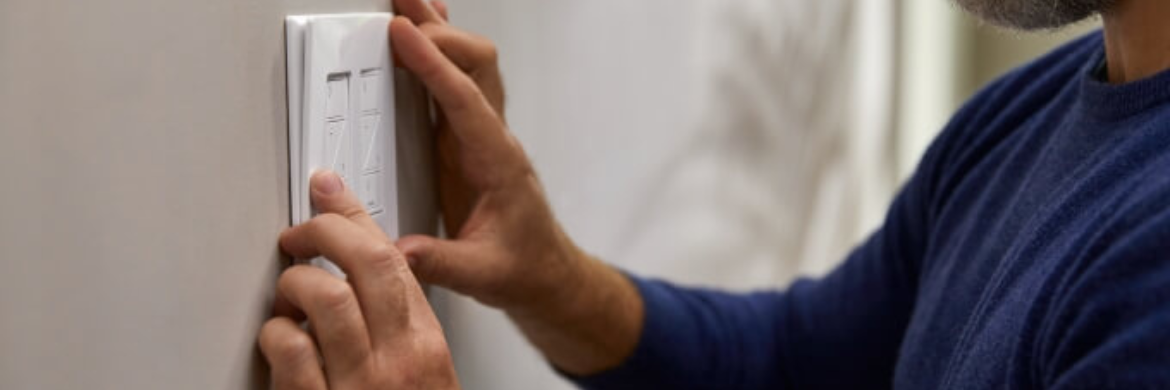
143 181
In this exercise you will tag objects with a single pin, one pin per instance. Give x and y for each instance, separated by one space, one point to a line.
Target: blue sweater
1030 250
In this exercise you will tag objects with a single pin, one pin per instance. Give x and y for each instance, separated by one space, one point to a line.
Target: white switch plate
341 112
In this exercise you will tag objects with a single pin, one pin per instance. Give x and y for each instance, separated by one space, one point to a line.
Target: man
1029 250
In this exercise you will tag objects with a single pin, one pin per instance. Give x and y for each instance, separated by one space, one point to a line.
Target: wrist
587 321
558 289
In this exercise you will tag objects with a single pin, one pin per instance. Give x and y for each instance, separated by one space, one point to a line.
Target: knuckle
283 345
352 210
315 225
491 53
324 220
433 349
383 255
486 49
324 223
335 296
294 346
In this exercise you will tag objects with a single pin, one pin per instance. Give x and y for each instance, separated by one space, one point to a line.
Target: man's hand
490 197
374 331
506 248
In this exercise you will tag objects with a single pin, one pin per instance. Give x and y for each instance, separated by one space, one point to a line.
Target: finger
334 314
330 235
452 88
418 11
467 50
475 55
281 307
376 269
292 356
441 7
473 120
331 195
441 262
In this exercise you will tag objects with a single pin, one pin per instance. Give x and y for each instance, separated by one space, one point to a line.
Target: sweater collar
1112 102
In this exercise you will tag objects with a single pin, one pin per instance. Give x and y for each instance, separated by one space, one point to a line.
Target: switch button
370 131
337 96
338 146
370 99
370 193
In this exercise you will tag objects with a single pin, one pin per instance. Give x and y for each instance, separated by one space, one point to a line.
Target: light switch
368 97
341 112
370 133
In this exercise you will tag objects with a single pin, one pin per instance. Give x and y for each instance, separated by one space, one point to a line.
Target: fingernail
327 183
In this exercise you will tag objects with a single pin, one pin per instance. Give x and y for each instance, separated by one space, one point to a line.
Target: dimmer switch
341 109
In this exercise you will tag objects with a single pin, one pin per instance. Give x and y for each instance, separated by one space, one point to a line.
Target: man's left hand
372 331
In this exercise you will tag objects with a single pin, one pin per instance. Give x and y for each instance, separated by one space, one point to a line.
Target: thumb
330 195
436 261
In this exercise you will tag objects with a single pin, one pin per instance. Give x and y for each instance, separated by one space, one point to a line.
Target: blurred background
736 144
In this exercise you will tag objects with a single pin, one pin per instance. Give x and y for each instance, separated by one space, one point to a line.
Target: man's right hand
506 248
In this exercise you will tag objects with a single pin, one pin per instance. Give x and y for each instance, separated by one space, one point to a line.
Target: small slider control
338 147
370 136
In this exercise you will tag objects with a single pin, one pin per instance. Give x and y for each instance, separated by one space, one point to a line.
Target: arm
841 331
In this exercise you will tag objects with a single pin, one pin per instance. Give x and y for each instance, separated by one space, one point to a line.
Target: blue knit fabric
1030 250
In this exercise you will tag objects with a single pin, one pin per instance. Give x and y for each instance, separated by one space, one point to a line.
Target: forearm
590 322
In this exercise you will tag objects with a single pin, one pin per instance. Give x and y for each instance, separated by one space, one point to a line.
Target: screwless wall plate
341 112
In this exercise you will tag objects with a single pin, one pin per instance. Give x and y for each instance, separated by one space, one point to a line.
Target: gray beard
1031 15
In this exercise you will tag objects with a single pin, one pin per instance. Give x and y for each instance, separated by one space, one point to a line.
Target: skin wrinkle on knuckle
295 348
320 223
352 210
432 347
332 218
383 257
489 52
334 296
284 347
